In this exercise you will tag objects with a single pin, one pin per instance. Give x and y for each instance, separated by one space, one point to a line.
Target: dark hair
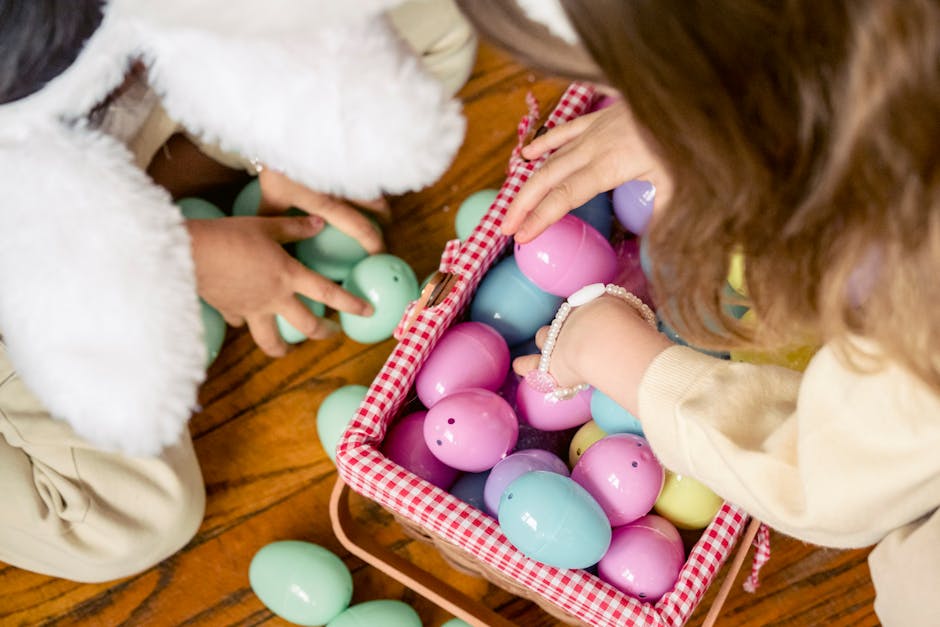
802 134
39 39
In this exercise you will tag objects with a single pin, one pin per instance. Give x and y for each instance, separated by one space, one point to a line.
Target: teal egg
301 582
389 284
213 330
331 252
381 613
198 209
553 520
335 413
472 210
248 200
611 417
288 333
456 622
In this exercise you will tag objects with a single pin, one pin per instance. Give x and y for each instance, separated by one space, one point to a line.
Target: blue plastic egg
301 582
331 252
390 285
598 212
198 209
553 520
611 417
469 488
248 200
472 210
384 613
290 334
512 304
335 413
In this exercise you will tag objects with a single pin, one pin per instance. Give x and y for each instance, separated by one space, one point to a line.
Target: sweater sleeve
833 456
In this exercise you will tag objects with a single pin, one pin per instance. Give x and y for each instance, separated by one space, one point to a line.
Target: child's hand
279 193
595 153
605 343
242 270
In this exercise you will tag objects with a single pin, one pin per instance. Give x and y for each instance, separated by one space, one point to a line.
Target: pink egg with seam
404 444
644 558
468 355
566 256
544 411
622 474
471 429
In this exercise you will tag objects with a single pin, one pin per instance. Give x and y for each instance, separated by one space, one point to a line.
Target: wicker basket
466 537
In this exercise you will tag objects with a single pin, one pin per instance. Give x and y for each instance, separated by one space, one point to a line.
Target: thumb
291 229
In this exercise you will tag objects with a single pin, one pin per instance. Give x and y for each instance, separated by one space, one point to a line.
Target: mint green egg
381 613
194 208
301 582
248 200
456 622
213 330
288 333
335 413
331 252
472 210
390 285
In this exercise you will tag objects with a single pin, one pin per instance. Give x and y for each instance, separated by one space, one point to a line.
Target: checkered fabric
367 471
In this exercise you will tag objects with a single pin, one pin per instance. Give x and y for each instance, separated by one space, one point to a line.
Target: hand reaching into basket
593 153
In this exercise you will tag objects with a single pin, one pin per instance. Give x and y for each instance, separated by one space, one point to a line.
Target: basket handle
746 540
360 543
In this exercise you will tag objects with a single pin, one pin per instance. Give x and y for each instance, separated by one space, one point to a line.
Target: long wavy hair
801 134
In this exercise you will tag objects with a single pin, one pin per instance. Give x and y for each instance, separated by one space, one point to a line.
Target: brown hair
803 134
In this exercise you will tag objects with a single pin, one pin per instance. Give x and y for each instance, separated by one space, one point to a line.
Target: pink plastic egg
404 444
567 256
468 355
471 429
644 558
622 474
544 411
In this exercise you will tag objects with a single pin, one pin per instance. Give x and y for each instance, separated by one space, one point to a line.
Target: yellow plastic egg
795 357
588 434
686 503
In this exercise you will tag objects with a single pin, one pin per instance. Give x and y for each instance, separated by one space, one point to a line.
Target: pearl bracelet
540 379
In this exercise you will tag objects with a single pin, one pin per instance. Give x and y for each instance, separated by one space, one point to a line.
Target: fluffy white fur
550 14
99 308
98 305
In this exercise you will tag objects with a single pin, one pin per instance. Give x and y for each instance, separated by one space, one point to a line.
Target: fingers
540 336
378 206
572 191
556 137
263 329
312 285
525 364
344 217
283 229
304 320
553 173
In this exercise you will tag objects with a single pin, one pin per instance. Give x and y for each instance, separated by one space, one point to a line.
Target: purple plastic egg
644 558
622 474
468 355
567 256
404 444
509 468
633 205
544 411
471 429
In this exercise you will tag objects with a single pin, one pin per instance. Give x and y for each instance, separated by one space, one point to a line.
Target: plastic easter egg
213 330
588 434
567 256
611 417
301 582
290 334
644 558
472 210
674 336
603 102
512 304
335 413
794 356
622 474
633 205
471 429
553 520
390 285
384 612
513 466
248 199
405 445
198 209
544 411
630 274
598 212
469 489
736 273
331 252
686 503
468 355
456 622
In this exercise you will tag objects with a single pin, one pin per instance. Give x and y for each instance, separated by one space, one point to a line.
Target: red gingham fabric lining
367 471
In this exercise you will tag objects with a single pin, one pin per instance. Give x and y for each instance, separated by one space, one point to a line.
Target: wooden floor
268 478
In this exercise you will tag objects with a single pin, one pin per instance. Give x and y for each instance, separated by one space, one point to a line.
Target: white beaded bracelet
540 379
